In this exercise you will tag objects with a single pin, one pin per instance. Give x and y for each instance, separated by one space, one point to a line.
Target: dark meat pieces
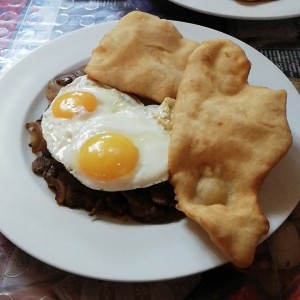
154 204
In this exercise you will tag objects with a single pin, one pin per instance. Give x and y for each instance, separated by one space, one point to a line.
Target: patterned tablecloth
275 273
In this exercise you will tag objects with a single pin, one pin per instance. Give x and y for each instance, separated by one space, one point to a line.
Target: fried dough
226 137
143 55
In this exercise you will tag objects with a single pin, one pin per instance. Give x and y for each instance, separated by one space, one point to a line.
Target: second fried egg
105 138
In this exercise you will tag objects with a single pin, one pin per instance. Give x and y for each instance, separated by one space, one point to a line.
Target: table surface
26 25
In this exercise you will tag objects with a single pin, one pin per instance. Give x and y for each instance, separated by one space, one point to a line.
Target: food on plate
61 80
143 55
106 139
93 140
100 148
226 137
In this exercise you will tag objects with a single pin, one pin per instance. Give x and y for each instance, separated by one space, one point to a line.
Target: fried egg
105 138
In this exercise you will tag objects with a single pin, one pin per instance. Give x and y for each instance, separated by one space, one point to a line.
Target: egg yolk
108 156
68 105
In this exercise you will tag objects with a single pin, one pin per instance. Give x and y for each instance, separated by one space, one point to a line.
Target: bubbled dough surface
143 55
231 134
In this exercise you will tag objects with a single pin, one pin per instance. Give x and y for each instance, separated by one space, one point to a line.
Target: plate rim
243 16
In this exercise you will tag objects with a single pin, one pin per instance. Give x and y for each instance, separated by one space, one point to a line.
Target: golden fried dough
143 55
226 137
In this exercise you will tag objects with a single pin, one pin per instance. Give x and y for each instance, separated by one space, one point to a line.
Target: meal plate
105 249
265 10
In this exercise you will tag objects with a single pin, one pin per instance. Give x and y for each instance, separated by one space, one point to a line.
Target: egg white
117 112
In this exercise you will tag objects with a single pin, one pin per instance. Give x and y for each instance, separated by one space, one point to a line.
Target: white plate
270 10
73 241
